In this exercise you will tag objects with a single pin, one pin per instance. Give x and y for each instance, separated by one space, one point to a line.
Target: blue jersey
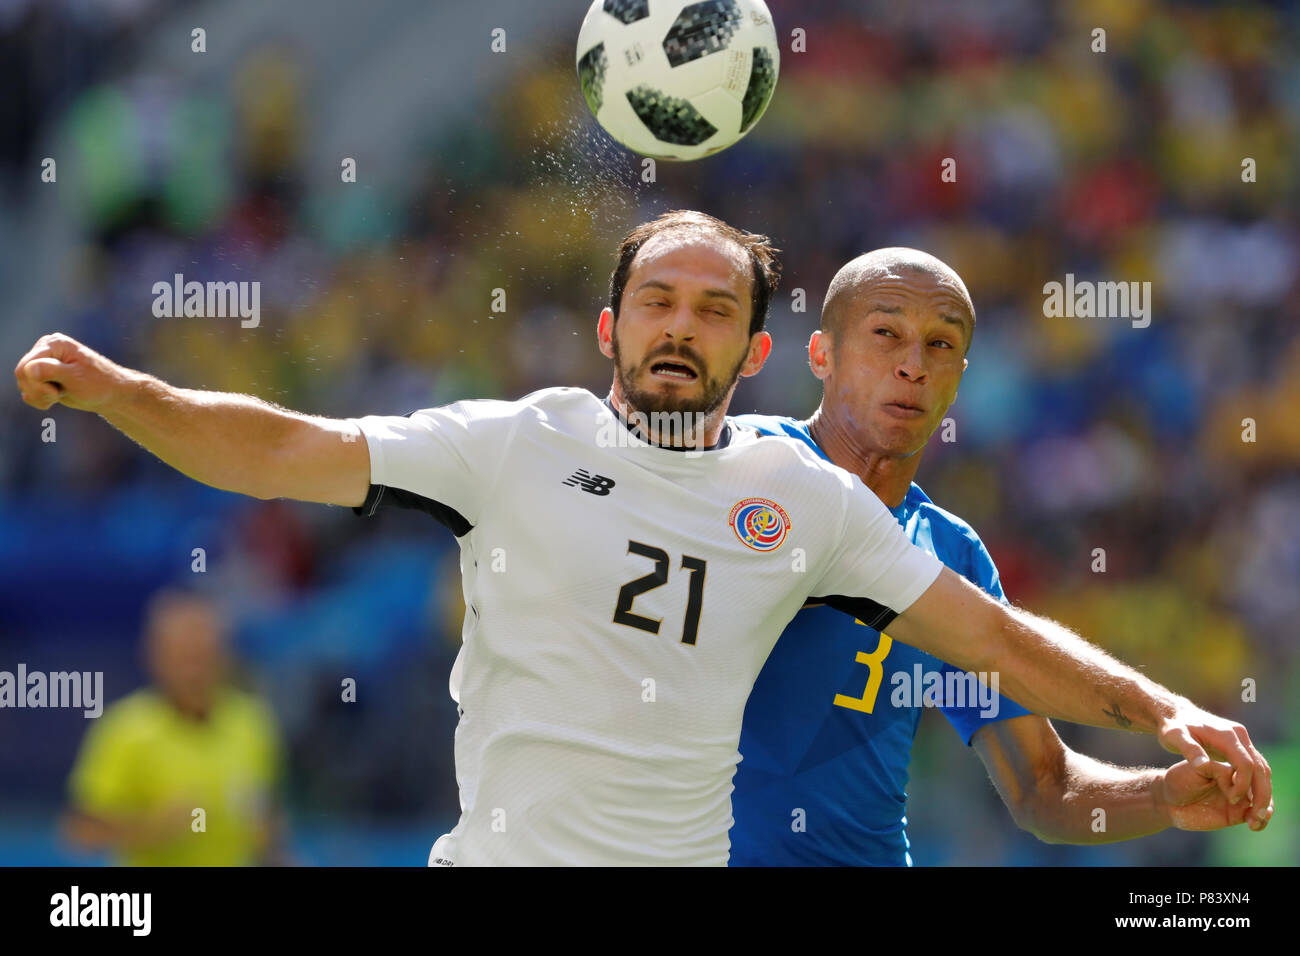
828 728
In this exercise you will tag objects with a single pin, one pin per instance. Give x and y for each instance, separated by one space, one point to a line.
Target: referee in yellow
184 772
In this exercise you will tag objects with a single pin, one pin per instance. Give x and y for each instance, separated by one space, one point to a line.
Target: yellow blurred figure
182 773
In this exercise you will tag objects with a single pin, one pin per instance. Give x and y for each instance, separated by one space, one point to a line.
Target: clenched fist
1195 802
60 369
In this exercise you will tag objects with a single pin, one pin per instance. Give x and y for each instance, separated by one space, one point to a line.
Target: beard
712 395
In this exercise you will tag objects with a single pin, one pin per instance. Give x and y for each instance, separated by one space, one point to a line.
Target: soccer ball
678 80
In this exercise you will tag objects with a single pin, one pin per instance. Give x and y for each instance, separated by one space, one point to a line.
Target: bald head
893 268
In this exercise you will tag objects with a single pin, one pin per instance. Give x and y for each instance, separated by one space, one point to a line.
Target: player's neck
194 711
690 432
889 476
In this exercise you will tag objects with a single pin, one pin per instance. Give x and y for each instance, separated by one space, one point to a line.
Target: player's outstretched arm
1048 669
233 442
1055 793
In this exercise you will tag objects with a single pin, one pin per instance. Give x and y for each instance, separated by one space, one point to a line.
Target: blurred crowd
1072 434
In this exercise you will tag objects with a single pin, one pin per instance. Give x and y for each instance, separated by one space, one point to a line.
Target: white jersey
621 598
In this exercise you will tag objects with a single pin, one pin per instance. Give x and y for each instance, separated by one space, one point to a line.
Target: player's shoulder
559 396
534 405
781 429
138 714
770 424
777 426
246 709
951 526
788 441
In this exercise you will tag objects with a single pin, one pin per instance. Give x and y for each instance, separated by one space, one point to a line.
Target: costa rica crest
759 523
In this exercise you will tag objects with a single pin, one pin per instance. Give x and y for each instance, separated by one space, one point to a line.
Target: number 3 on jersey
875 662
658 578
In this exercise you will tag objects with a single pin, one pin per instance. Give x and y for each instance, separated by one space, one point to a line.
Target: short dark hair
762 257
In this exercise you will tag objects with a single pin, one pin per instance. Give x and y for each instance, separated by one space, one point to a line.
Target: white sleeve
440 460
875 569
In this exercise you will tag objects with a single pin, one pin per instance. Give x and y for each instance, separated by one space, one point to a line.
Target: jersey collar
723 440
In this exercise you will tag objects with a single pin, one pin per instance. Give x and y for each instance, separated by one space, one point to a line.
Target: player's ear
760 347
605 332
820 354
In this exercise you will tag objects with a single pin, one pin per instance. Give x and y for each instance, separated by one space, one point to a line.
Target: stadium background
481 171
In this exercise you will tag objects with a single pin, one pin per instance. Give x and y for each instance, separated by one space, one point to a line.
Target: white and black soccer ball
678 80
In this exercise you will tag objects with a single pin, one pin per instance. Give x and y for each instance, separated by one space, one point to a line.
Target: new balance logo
595 484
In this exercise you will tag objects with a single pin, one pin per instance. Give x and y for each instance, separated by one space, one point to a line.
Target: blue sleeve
966 720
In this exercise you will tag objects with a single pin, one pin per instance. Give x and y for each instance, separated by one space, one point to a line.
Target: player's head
185 644
687 305
896 326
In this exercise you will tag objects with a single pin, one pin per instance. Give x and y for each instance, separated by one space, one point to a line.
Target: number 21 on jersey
658 578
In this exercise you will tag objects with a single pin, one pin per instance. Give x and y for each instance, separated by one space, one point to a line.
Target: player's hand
60 369
1244 777
1195 802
